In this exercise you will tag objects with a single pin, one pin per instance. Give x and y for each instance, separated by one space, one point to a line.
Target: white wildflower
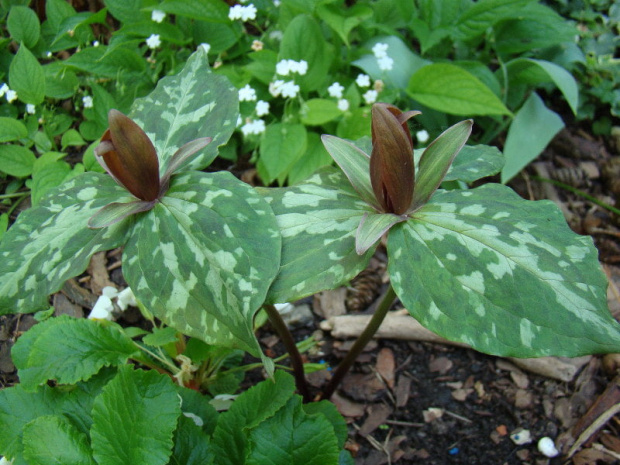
153 41
48 54
283 67
378 85
158 15
421 136
262 108
244 13
290 89
275 88
370 97
30 109
276 35
126 298
87 101
96 43
4 88
239 120
11 96
385 63
257 45
253 127
205 46
300 67
109 291
335 90
247 94
343 104
102 310
362 80
380 50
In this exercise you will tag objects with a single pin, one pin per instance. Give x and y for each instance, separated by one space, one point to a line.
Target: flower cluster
153 41
286 89
383 60
11 95
247 94
256 126
244 13
284 67
104 307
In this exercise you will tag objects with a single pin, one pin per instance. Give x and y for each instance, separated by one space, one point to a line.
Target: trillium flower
387 180
128 155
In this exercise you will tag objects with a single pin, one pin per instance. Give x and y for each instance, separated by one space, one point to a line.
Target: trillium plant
204 252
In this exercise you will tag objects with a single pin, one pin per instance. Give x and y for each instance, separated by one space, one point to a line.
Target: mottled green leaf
69 350
115 212
372 227
52 439
125 413
207 268
355 164
51 243
475 162
318 221
190 105
502 274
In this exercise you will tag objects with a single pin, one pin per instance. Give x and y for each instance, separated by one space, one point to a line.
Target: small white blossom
102 310
4 88
87 101
300 67
253 127
362 80
370 96
126 298
421 136
244 13
257 45
283 67
275 88
335 90
380 50
5 461
343 104
158 15
385 63
30 109
262 108
11 96
96 43
110 291
205 46
153 41
276 35
48 54
247 94
239 120
290 89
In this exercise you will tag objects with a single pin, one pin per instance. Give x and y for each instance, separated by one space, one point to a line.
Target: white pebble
521 436
547 447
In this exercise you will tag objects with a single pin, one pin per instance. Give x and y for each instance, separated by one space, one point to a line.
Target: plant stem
289 343
360 343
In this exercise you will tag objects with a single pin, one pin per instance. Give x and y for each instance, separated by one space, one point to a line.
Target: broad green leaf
221 36
202 10
344 20
207 269
482 15
355 124
23 25
303 40
475 162
16 160
60 82
46 177
257 404
530 71
115 212
71 138
318 221
126 11
26 77
190 105
531 130
451 89
314 158
317 111
99 61
502 274
51 243
355 164
281 146
69 350
330 412
71 25
263 65
56 11
406 63
197 406
191 445
4 224
292 437
372 227
52 439
124 416
436 160
11 129
161 336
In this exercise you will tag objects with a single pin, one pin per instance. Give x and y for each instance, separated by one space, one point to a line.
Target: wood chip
440 365
385 366
377 414
403 388
346 407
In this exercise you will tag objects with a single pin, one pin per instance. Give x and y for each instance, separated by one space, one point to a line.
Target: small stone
546 446
521 436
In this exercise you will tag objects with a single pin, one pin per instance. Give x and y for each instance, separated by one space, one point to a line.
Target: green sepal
436 160
355 164
51 242
181 157
318 220
372 227
203 258
193 104
503 275
115 212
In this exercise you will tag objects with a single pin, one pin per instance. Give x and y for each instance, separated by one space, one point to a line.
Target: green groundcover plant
203 252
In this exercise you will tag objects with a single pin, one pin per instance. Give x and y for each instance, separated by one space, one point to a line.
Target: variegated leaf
372 227
502 274
192 104
475 162
318 220
203 258
51 243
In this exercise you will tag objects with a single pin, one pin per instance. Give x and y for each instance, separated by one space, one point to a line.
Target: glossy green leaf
16 160
436 160
23 25
52 439
51 243
191 445
124 415
502 274
450 89
318 220
207 269
190 105
11 129
355 164
475 162
69 350
482 15
26 77
531 130
372 227
315 157
317 111
281 146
